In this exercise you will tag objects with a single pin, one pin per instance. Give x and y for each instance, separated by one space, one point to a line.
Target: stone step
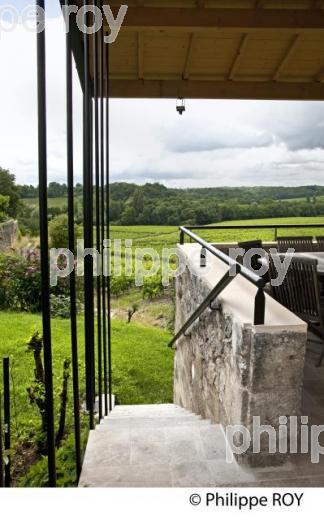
163 455
149 415
148 411
151 422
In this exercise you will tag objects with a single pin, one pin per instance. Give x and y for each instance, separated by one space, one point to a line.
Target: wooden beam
196 89
238 56
287 56
259 3
186 69
318 4
211 19
320 76
140 55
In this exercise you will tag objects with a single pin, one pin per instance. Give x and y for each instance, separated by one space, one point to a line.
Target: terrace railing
234 269
94 81
259 282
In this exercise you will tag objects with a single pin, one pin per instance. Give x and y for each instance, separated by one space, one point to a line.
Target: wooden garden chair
300 293
253 244
301 244
320 243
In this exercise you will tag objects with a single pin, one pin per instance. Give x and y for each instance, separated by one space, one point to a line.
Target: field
168 236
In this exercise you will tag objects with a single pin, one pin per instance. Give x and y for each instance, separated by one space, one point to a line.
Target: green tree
4 205
138 201
9 189
58 232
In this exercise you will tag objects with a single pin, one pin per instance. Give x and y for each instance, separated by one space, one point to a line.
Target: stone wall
228 370
8 234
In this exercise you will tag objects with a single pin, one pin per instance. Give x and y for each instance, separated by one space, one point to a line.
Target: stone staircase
154 446
167 446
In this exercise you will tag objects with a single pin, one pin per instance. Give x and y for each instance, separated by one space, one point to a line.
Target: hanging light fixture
181 107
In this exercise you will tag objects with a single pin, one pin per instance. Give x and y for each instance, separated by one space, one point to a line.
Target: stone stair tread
148 423
146 446
149 411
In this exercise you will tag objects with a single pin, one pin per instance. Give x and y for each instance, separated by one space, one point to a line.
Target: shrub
120 284
20 283
60 306
153 287
58 232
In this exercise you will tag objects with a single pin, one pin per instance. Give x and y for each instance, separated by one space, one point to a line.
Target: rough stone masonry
228 371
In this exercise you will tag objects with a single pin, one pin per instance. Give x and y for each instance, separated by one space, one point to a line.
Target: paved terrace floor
166 446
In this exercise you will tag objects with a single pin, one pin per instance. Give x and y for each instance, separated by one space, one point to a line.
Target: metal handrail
259 308
249 275
219 287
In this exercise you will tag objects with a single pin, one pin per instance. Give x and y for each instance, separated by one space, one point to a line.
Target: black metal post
108 226
88 235
43 218
103 233
6 417
259 307
73 309
97 143
102 180
1 449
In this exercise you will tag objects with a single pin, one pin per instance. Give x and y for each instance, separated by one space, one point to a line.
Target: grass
142 366
158 312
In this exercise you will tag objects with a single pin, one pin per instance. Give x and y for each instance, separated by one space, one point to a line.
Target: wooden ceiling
248 49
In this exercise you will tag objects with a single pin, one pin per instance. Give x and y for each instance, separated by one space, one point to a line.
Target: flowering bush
20 282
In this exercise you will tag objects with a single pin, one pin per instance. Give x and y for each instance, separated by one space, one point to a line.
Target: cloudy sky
215 143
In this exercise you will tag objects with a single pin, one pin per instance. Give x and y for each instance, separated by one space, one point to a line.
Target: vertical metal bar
6 417
73 309
259 307
98 142
1 450
108 227
181 237
93 360
102 178
88 235
43 218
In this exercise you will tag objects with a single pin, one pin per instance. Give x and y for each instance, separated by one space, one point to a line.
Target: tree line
155 204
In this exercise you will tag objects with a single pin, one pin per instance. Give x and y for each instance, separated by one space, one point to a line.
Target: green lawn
142 365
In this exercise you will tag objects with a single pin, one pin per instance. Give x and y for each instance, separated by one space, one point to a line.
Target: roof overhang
243 49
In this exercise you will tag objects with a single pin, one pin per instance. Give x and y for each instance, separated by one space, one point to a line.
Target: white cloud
213 143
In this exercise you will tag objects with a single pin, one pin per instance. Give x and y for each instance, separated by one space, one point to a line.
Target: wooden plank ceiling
248 49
